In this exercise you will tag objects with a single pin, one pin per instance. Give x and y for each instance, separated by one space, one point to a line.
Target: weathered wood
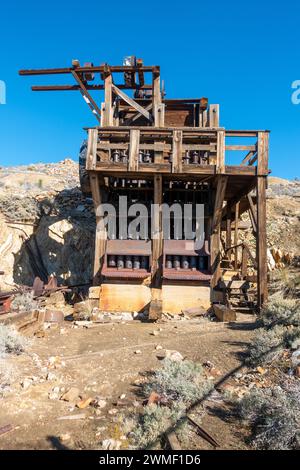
133 161
215 243
132 103
228 232
155 308
253 212
236 234
173 441
177 152
101 235
261 242
221 152
108 116
214 111
156 100
91 158
245 257
224 313
262 153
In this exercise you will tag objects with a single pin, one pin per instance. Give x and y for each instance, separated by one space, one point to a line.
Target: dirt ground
108 361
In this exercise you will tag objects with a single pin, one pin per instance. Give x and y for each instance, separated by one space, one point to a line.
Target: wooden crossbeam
133 161
136 116
132 103
177 152
87 97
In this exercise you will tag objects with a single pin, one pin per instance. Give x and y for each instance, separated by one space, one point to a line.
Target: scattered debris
71 395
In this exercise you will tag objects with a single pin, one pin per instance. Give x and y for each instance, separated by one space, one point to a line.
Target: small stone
158 347
113 411
54 393
50 376
155 333
65 437
25 384
111 444
297 371
98 403
171 354
261 370
71 395
84 403
138 351
122 396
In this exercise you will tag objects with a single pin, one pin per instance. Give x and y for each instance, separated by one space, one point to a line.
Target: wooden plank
224 313
108 117
236 233
156 99
261 242
101 235
132 103
216 230
214 115
251 148
262 153
245 257
221 152
177 152
228 232
173 441
155 309
253 212
91 158
136 116
133 161
87 97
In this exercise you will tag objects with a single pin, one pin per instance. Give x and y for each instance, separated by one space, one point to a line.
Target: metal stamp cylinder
136 262
120 262
112 261
185 262
128 262
169 264
176 262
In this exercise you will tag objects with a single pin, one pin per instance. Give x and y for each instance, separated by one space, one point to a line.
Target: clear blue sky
242 55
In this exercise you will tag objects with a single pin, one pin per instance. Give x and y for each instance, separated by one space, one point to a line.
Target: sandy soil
102 361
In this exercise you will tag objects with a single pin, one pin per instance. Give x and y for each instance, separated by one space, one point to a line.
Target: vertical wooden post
177 152
134 145
108 111
228 231
236 234
156 99
101 235
221 152
214 111
155 309
261 242
262 153
215 239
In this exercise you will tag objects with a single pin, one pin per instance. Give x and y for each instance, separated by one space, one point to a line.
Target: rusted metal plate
125 273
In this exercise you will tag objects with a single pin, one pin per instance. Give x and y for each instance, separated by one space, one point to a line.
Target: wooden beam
92 149
177 152
215 243
87 97
134 144
236 233
108 114
214 111
253 213
261 242
132 119
155 309
221 152
101 235
262 153
156 99
228 232
132 103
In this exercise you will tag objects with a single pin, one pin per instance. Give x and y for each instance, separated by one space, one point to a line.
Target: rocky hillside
46 224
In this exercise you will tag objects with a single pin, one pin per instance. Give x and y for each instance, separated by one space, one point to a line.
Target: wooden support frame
156 100
177 152
108 110
236 233
132 103
101 234
155 308
228 232
221 152
215 242
134 145
261 242
87 97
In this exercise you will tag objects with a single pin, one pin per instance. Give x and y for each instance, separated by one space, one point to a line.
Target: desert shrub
24 302
267 345
274 416
183 381
153 422
281 311
11 341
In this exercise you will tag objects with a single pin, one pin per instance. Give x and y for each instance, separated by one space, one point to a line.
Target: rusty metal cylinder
195 157
186 158
112 263
116 156
144 262
128 262
120 262
136 262
169 264
185 262
193 263
176 262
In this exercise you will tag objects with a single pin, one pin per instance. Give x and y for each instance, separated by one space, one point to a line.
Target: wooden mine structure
162 151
